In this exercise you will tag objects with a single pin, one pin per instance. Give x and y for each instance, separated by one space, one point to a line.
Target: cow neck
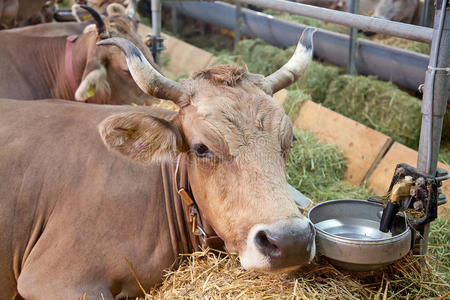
68 61
200 234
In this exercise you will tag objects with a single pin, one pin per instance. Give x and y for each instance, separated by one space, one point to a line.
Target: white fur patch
90 28
251 257
96 79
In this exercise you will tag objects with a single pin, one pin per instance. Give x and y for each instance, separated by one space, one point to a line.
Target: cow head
109 8
396 10
106 78
237 141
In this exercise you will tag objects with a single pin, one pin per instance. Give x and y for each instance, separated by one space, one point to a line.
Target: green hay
377 104
317 170
444 157
414 46
316 80
439 245
261 57
293 102
64 5
265 59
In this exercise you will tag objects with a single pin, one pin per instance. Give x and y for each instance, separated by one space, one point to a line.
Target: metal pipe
156 27
437 83
404 68
426 13
174 20
64 16
238 23
353 7
406 31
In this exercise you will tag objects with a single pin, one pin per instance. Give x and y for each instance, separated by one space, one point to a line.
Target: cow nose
287 243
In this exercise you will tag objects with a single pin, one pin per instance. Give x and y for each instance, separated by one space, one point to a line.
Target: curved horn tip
125 45
99 23
306 40
86 7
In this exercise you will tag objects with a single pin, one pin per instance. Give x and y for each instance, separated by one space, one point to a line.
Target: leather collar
70 41
197 226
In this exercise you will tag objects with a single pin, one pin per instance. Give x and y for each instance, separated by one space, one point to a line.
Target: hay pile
265 59
259 56
293 102
377 104
317 80
317 170
409 45
208 275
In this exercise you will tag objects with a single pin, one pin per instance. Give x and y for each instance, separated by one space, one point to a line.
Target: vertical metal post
238 22
156 27
353 7
426 14
437 82
174 19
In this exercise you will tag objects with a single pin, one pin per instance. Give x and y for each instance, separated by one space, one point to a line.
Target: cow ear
141 136
94 82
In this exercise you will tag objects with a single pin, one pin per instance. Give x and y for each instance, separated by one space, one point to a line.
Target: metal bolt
420 181
418 205
400 171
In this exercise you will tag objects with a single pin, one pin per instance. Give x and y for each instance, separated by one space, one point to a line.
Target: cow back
65 198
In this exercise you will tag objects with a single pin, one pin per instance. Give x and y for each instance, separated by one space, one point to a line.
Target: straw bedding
209 275
317 170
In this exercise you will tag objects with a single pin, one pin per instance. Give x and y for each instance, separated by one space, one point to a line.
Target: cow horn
144 74
99 23
296 66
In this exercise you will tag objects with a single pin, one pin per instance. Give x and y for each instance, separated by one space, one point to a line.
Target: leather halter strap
70 41
197 225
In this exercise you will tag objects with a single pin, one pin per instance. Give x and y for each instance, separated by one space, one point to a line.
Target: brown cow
406 11
55 67
77 27
109 8
8 13
84 186
17 13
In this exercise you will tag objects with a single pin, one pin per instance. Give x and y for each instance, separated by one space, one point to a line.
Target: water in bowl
353 228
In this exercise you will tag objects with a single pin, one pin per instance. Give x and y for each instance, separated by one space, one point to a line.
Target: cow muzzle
281 246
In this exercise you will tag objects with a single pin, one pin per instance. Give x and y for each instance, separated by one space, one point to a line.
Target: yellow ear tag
91 91
85 18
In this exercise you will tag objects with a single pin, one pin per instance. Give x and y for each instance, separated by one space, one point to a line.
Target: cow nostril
265 244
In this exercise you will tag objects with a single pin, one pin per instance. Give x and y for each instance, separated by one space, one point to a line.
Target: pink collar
70 41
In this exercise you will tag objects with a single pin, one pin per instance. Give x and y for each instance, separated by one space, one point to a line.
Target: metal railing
402 30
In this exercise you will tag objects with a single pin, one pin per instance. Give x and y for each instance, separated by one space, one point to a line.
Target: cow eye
201 150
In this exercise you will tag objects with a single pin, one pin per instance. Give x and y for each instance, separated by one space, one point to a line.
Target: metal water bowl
348 235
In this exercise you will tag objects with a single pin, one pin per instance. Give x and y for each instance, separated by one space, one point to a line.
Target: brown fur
249 137
44 76
141 137
78 209
221 75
